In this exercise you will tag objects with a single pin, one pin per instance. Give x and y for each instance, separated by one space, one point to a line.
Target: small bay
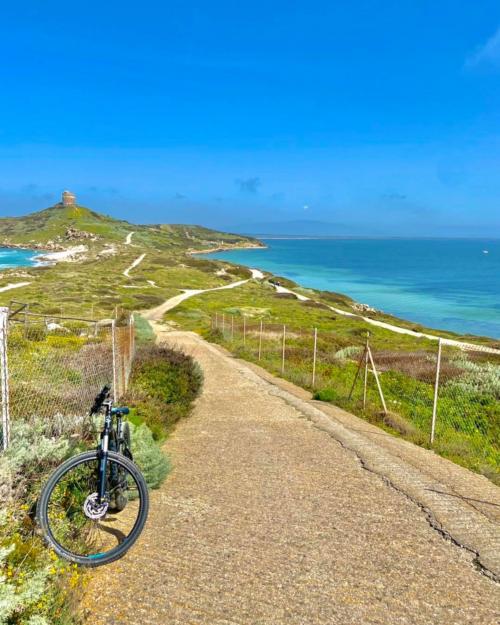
17 257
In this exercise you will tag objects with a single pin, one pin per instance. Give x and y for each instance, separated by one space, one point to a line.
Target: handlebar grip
99 400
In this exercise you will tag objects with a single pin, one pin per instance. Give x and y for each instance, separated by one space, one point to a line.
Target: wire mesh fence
436 394
54 366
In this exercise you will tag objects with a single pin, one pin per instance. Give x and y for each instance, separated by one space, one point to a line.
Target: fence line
54 366
437 394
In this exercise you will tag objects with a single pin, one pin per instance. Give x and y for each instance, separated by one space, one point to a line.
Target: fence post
283 351
115 364
131 335
365 381
436 391
244 331
216 321
382 399
232 327
314 356
260 340
223 324
4 375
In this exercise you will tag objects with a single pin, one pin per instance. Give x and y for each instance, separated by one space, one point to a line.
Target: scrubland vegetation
36 588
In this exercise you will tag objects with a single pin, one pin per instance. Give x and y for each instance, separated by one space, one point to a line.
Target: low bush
163 384
148 456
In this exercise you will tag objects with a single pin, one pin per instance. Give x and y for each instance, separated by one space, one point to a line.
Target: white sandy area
64 255
257 274
128 238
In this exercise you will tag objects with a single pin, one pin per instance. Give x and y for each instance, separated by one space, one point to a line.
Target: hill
118 264
56 225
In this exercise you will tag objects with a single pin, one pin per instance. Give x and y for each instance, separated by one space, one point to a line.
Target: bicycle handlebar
100 399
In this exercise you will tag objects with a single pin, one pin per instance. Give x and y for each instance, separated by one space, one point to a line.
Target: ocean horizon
442 283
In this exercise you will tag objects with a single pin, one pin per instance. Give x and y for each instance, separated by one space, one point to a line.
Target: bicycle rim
80 527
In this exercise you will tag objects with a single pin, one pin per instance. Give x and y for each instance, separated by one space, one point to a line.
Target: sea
449 284
10 257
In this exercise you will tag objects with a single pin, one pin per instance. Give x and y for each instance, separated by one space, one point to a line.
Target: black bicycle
94 506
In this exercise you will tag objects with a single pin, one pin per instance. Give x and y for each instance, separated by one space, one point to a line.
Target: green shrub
163 384
143 331
148 456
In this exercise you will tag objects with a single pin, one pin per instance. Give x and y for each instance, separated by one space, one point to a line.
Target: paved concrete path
268 519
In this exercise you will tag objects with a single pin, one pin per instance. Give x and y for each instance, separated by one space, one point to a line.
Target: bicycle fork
103 460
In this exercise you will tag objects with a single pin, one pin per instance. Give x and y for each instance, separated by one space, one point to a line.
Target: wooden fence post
260 340
244 331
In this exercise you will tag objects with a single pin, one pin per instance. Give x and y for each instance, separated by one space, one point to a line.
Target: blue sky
372 118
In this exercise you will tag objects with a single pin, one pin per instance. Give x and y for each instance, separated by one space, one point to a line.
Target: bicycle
94 506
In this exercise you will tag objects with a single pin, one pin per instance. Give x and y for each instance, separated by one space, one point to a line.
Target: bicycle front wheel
83 529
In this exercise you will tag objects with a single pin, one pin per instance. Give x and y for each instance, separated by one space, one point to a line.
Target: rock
73 234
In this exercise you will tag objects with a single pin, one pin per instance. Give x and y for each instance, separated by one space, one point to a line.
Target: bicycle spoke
76 521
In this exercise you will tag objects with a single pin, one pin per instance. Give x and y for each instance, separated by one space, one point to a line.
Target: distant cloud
248 185
487 54
179 196
394 197
106 190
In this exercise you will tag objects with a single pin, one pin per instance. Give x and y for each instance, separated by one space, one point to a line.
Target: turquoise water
449 284
10 257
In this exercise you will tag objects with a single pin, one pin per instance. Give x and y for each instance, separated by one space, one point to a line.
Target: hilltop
53 227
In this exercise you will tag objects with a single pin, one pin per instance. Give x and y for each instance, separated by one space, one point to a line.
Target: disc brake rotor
93 509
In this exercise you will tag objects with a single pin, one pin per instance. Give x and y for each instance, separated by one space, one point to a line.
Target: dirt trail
155 314
136 262
270 519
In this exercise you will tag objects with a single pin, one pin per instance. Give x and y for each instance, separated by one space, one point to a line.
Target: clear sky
368 117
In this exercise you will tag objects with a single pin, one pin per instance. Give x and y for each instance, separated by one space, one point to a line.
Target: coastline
358 308
228 248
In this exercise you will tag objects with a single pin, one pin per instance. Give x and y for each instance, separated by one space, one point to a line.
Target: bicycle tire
116 552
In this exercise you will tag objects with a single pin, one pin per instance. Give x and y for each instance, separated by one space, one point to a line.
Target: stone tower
68 198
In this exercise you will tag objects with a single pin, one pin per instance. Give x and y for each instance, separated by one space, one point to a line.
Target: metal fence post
374 369
314 356
260 340
4 376
115 363
283 351
436 391
365 381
